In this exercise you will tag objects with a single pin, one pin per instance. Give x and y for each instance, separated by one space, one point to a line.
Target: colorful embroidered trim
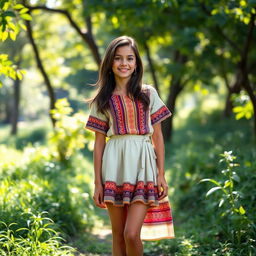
128 116
159 214
97 124
161 114
128 193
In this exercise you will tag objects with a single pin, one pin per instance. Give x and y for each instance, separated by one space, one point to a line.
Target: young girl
129 167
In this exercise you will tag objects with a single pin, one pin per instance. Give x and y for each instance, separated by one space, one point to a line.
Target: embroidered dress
129 170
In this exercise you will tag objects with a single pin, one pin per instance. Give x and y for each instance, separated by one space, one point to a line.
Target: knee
131 236
118 234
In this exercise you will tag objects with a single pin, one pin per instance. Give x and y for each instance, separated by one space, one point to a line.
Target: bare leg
135 217
117 217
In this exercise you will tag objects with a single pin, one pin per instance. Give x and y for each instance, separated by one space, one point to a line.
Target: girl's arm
99 145
158 142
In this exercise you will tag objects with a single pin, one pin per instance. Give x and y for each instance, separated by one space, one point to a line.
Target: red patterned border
127 193
97 124
160 115
159 214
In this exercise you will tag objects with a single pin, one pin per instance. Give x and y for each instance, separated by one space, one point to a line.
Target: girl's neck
121 86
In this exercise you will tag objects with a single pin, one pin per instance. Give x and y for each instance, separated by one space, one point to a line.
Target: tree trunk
8 111
235 89
15 108
247 86
42 69
244 69
167 126
151 67
176 87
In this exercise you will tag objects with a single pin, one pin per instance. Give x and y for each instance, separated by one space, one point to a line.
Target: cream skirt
129 174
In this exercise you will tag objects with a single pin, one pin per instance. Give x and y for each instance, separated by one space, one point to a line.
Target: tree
12 18
231 26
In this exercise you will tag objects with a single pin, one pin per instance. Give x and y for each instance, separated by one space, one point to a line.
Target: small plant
69 134
38 238
240 226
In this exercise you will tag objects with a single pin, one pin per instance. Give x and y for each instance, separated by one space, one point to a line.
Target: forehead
124 50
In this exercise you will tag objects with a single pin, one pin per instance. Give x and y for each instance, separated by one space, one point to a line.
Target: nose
123 62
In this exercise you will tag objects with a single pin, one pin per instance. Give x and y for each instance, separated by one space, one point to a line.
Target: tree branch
41 68
249 38
151 66
86 36
219 30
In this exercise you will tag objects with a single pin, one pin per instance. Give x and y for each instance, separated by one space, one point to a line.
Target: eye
117 58
130 58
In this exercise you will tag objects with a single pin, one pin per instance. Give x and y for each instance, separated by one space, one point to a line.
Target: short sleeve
158 110
97 121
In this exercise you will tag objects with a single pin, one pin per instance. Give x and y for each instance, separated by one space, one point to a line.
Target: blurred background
201 58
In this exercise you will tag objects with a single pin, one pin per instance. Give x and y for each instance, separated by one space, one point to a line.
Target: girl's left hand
162 187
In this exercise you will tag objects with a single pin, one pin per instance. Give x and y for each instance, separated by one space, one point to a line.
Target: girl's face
124 62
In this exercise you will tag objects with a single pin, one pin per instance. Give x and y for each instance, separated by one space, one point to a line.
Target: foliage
243 106
11 21
198 43
199 226
38 238
35 180
8 69
240 228
69 134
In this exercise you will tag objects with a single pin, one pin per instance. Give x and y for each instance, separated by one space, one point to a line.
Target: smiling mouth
123 69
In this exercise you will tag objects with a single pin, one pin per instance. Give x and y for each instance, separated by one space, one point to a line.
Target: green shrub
239 230
68 135
37 238
193 155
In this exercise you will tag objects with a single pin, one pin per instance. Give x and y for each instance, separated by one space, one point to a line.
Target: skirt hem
150 204
156 239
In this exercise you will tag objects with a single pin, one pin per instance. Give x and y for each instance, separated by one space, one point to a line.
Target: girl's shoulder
147 87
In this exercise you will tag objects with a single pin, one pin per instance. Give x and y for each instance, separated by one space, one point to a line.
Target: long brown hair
106 81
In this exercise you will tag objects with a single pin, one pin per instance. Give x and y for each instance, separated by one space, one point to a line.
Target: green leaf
243 3
22 25
12 26
4 35
26 16
9 13
236 177
24 10
212 181
227 183
18 6
6 5
221 202
214 11
239 115
241 210
13 35
212 190
19 75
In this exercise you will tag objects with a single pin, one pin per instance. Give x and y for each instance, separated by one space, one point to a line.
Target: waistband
145 137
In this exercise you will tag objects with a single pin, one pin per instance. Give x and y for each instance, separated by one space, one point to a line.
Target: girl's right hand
98 196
